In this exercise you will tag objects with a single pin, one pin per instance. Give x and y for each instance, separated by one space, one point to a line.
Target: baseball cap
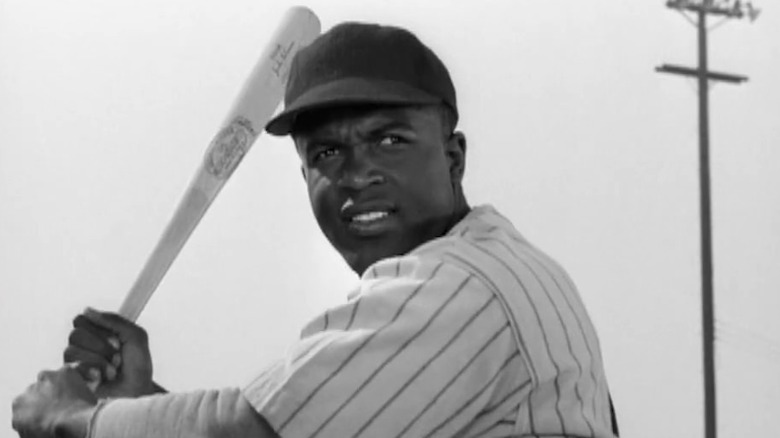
360 63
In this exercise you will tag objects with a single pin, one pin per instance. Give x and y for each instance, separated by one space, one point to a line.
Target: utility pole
701 8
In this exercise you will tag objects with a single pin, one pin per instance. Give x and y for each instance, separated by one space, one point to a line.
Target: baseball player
458 326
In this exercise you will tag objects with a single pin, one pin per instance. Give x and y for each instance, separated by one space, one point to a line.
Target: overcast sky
107 107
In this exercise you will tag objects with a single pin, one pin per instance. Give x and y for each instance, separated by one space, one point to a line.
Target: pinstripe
585 339
310 348
373 286
554 435
475 396
401 349
564 328
496 406
375 270
541 329
595 358
352 315
505 424
358 349
586 330
455 377
510 315
490 409
426 365
564 274
380 282
590 327
325 317
568 344
546 260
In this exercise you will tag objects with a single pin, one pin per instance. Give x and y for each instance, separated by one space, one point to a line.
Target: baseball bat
253 107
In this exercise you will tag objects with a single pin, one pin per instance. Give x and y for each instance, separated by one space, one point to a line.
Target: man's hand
58 405
112 350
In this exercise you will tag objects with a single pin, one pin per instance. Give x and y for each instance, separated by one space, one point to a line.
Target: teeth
369 216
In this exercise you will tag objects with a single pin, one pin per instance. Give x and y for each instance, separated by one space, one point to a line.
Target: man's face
381 180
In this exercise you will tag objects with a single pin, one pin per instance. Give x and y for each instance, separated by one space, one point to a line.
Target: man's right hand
106 347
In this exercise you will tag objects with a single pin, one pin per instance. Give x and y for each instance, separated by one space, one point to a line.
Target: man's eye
323 153
391 140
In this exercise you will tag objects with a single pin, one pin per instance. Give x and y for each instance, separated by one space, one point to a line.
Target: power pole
702 8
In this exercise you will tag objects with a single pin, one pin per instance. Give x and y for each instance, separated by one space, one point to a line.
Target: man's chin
362 259
361 262
360 252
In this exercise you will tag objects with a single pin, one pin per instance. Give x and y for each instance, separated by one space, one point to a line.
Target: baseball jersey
474 334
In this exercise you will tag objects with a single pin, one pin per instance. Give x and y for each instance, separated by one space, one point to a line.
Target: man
458 325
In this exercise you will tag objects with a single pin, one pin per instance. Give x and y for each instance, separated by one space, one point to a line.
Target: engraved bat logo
229 147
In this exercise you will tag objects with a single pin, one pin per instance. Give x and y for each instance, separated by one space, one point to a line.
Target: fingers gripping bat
251 110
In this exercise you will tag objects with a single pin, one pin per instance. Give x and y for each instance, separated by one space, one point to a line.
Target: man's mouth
372 223
369 216
367 219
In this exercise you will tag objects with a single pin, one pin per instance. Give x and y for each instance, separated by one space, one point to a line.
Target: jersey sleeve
420 351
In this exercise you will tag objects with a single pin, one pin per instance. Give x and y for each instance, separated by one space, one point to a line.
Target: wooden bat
251 110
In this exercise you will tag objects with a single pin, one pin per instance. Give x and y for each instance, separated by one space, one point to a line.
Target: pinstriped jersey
474 334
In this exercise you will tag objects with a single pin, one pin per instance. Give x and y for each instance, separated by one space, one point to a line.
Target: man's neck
458 214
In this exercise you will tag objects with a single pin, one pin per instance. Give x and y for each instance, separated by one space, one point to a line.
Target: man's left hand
58 405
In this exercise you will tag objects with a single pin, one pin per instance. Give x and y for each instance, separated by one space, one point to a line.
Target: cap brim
345 92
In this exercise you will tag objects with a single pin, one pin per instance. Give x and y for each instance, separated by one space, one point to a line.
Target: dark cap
357 63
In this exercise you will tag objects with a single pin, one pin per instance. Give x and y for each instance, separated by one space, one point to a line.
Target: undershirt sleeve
419 352
199 414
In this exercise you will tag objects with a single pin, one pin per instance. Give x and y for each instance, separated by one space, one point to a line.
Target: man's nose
360 170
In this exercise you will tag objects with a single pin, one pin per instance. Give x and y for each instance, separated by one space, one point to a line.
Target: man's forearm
74 422
223 413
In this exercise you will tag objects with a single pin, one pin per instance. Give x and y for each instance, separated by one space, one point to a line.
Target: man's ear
301 155
455 149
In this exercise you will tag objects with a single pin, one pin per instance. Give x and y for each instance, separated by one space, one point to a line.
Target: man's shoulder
484 245
487 244
482 230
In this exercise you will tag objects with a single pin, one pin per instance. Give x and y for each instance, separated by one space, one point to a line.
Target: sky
106 108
